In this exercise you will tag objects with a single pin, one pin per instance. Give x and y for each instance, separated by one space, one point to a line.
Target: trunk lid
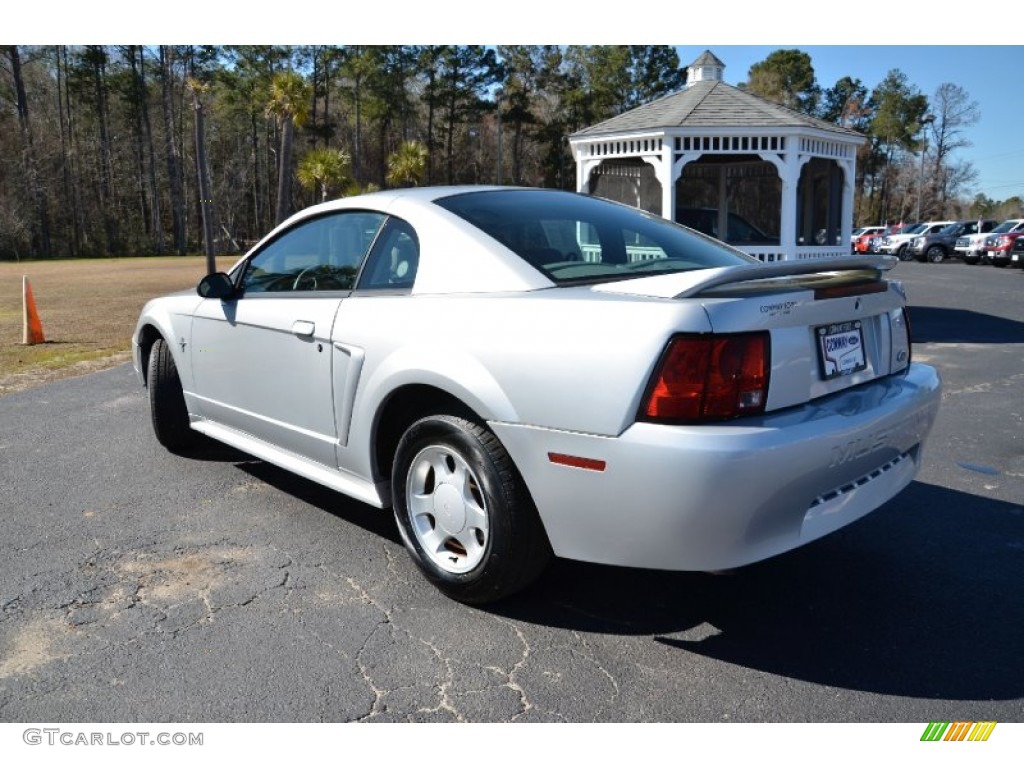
833 325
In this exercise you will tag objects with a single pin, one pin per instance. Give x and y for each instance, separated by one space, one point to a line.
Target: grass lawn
88 308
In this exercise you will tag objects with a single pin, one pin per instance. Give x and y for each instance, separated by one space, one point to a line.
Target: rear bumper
722 496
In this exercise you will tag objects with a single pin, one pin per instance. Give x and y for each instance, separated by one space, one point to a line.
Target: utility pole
205 195
928 120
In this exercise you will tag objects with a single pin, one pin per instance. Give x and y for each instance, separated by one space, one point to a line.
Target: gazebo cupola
774 182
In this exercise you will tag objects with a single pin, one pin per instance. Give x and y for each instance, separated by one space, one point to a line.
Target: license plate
841 349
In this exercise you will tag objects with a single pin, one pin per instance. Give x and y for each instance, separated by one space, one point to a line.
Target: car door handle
303 327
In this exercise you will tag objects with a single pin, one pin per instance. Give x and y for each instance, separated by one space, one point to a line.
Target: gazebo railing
797 253
633 252
821 252
767 253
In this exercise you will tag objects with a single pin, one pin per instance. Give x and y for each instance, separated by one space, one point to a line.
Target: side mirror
216 286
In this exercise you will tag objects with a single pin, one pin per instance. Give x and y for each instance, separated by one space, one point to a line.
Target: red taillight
709 378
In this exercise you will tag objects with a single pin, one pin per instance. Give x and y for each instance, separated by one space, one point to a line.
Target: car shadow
943 324
208 449
363 515
922 598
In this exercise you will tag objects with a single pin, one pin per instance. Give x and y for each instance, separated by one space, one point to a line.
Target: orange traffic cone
33 329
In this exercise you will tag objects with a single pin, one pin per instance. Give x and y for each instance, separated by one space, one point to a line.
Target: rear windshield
575 238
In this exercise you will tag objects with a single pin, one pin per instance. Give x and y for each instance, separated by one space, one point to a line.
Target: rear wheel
464 512
936 254
166 402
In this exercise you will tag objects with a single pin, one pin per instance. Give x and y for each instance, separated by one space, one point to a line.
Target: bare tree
954 111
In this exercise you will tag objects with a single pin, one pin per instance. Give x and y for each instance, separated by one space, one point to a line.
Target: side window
322 254
394 260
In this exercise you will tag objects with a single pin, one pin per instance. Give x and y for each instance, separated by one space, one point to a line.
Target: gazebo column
848 194
584 167
667 174
789 173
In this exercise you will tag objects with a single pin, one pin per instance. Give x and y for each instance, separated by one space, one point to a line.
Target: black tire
166 402
506 551
972 260
936 254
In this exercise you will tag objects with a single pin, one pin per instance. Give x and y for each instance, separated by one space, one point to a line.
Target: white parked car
524 372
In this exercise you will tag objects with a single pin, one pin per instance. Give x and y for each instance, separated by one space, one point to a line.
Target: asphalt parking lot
139 586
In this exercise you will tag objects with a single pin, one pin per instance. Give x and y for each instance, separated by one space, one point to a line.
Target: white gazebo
777 183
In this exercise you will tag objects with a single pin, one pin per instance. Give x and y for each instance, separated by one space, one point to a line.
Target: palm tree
324 167
407 164
290 97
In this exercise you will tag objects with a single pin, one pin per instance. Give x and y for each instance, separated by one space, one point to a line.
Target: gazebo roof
710 103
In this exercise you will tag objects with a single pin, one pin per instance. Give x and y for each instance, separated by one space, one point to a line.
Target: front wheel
464 512
902 253
936 254
167 408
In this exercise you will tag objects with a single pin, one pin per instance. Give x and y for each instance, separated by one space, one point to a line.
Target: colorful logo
958 731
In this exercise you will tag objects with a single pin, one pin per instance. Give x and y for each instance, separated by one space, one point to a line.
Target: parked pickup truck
1017 254
970 247
997 248
896 245
938 246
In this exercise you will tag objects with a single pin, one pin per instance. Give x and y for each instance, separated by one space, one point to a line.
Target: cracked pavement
140 586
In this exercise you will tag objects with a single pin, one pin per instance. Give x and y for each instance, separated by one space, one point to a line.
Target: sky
985 59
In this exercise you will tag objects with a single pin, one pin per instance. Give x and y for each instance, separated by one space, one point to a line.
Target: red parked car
862 242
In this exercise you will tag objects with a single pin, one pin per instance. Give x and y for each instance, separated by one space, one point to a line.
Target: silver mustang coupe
521 373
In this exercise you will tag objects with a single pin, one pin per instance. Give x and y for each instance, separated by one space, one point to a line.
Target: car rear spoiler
775 272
